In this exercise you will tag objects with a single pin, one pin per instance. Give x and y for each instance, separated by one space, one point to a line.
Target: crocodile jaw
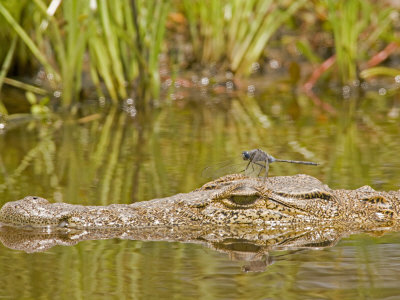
230 200
37 212
195 210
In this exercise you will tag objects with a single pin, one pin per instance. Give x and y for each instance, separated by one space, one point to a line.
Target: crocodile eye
240 201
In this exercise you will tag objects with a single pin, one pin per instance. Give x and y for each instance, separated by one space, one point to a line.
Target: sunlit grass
381 71
117 43
357 26
114 47
235 32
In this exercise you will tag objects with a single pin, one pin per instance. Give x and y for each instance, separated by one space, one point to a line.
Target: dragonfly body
262 159
256 159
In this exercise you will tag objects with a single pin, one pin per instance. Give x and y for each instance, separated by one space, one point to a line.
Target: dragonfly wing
255 169
222 168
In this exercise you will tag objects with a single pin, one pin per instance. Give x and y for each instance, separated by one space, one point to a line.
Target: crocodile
229 200
283 211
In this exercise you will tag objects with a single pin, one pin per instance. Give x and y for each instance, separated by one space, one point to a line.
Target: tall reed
114 46
117 43
236 31
357 26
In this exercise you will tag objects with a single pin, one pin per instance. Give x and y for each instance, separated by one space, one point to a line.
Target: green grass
117 43
357 29
113 47
235 32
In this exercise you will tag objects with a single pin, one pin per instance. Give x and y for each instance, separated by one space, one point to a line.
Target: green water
104 156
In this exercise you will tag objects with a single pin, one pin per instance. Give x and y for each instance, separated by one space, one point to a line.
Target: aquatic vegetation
381 71
235 32
117 43
112 49
103 158
357 26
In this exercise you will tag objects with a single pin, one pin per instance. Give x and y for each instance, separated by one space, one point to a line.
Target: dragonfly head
245 155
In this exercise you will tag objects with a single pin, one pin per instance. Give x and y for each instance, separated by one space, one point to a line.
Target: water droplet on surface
228 75
132 111
364 85
346 91
274 64
129 107
251 89
41 74
229 85
167 83
394 113
50 76
255 67
205 81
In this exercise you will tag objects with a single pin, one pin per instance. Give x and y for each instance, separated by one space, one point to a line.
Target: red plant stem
318 72
307 87
382 55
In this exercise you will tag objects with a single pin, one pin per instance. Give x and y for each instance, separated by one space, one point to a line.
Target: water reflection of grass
160 270
116 159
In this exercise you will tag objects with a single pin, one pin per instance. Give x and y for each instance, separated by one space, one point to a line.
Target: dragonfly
263 159
258 161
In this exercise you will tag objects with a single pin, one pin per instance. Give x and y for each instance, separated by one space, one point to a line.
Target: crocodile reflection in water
249 244
283 212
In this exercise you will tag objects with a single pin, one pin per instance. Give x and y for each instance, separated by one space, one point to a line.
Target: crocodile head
244 217
232 199
237 199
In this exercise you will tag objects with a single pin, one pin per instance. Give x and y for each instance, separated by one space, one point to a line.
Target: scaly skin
241 216
231 200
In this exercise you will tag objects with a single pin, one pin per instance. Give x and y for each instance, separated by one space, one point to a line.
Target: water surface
104 156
